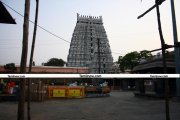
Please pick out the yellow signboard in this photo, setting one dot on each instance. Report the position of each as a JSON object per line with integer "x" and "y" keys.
{"x": 59, "y": 93}
{"x": 74, "y": 93}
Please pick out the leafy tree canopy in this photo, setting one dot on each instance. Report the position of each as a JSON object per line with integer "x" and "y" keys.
{"x": 132, "y": 59}
{"x": 54, "y": 62}
{"x": 10, "y": 66}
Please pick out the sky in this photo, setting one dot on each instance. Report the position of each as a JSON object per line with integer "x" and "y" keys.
{"x": 125, "y": 32}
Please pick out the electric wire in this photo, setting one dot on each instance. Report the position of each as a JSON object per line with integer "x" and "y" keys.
{"x": 37, "y": 25}
{"x": 42, "y": 27}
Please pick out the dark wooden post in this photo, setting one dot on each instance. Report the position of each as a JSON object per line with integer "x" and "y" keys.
{"x": 163, "y": 46}
{"x": 99, "y": 57}
{"x": 31, "y": 61}
{"x": 24, "y": 61}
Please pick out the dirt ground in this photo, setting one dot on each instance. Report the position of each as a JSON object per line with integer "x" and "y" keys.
{"x": 119, "y": 106}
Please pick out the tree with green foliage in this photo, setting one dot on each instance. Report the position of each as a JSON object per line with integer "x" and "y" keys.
{"x": 144, "y": 54}
{"x": 132, "y": 59}
{"x": 10, "y": 66}
{"x": 54, "y": 62}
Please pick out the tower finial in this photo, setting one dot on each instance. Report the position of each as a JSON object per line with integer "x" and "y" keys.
{"x": 77, "y": 15}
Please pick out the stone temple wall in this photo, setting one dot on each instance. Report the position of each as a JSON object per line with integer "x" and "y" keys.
{"x": 89, "y": 45}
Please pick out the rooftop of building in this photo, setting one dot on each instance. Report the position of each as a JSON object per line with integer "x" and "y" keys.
{"x": 49, "y": 69}
{"x": 155, "y": 62}
{"x": 86, "y": 18}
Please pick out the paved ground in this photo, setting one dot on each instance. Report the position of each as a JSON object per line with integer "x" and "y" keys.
{"x": 119, "y": 106}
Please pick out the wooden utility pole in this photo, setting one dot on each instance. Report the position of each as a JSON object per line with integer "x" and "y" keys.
{"x": 24, "y": 61}
{"x": 31, "y": 61}
{"x": 163, "y": 48}
{"x": 99, "y": 57}
{"x": 176, "y": 49}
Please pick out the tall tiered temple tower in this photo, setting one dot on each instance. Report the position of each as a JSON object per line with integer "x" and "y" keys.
{"x": 89, "y": 45}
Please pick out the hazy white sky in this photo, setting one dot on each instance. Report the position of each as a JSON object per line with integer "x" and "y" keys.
{"x": 125, "y": 32}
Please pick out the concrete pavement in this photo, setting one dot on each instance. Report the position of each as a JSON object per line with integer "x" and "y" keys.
{"x": 119, "y": 106}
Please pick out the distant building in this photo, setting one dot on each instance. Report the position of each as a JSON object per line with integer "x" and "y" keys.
{"x": 50, "y": 69}
{"x": 155, "y": 87}
{"x": 115, "y": 69}
{"x": 89, "y": 45}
